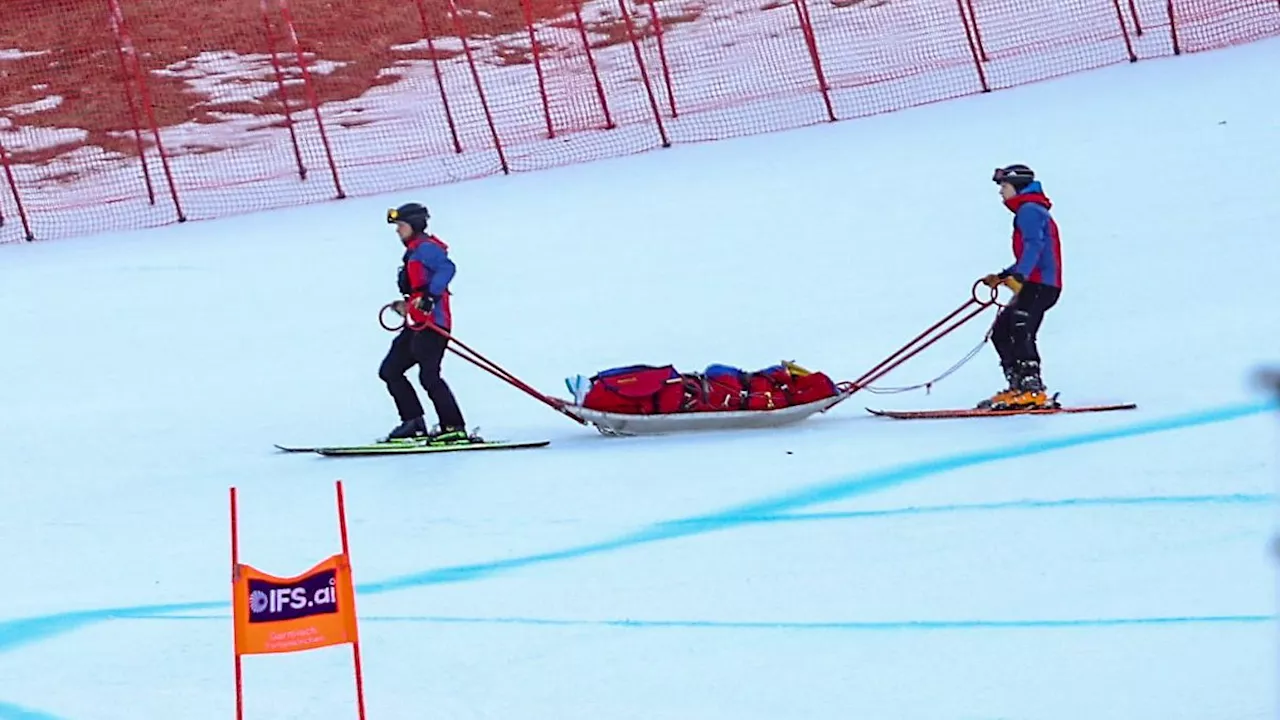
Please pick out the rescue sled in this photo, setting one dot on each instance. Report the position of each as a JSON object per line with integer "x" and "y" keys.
{"x": 655, "y": 400}
{"x": 621, "y": 424}
{"x": 652, "y": 400}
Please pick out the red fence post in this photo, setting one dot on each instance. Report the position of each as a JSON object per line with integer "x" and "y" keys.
{"x": 1124, "y": 32}
{"x": 644, "y": 73}
{"x": 17, "y": 197}
{"x": 811, "y": 42}
{"x": 312, "y": 96}
{"x": 1173, "y": 28}
{"x": 461, "y": 30}
{"x": 527, "y": 6}
{"x": 427, "y": 33}
{"x": 973, "y": 47}
{"x": 120, "y": 28}
{"x": 591, "y": 62}
{"x": 284, "y": 96}
{"x": 1137, "y": 22}
{"x": 662, "y": 56}
{"x": 977, "y": 32}
{"x": 137, "y": 125}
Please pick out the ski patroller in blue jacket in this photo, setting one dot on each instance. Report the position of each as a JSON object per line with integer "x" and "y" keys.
{"x": 1037, "y": 248}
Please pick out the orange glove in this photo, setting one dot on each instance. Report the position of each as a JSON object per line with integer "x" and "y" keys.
{"x": 1008, "y": 281}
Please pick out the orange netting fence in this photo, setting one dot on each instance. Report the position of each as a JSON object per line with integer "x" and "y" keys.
{"x": 120, "y": 114}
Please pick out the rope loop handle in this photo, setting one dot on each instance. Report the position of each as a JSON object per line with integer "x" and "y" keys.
{"x": 395, "y": 308}
{"x": 993, "y": 295}
{"x": 399, "y": 307}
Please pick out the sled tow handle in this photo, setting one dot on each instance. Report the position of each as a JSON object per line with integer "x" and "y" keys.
{"x": 975, "y": 306}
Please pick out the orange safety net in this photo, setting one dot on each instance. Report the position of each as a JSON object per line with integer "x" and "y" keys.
{"x": 124, "y": 114}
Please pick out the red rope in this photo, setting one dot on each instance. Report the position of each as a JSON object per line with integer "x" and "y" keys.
{"x": 465, "y": 352}
{"x": 934, "y": 333}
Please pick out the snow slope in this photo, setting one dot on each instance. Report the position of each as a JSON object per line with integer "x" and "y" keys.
{"x": 1111, "y": 566}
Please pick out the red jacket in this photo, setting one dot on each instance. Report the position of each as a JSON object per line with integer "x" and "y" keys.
{"x": 1037, "y": 249}
{"x": 427, "y": 270}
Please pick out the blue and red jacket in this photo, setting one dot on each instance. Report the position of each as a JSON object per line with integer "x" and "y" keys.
{"x": 427, "y": 270}
{"x": 1037, "y": 248}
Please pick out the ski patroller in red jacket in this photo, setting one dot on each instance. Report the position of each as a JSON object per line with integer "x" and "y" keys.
{"x": 428, "y": 270}
{"x": 1037, "y": 248}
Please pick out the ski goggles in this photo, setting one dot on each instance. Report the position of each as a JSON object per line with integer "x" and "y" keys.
{"x": 1005, "y": 175}
{"x": 393, "y": 216}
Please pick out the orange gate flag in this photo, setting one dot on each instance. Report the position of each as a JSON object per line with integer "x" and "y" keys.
{"x": 290, "y": 614}
{"x": 279, "y": 615}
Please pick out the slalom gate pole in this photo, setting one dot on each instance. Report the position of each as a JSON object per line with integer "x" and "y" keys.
{"x": 978, "y": 305}
{"x": 484, "y": 363}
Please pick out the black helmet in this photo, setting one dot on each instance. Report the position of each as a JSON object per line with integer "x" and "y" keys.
{"x": 412, "y": 214}
{"x": 1019, "y": 176}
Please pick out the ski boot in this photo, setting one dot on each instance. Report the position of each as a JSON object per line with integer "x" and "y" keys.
{"x": 415, "y": 430}
{"x": 1000, "y": 400}
{"x": 407, "y": 430}
{"x": 1030, "y": 393}
{"x": 1031, "y": 400}
{"x": 449, "y": 435}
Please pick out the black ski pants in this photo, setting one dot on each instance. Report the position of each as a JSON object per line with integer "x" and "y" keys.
{"x": 424, "y": 348}
{"x": 1015, "y": 328}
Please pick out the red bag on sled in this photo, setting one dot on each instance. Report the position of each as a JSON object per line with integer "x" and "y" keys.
{"x": 719, "y": 388}
{"x": 811, "y": 388}
{"x": 636, "y": 390}
{"x": 649, "y": 390}
{"x": 769, "y": 389}
{"x": 785, "y": 385}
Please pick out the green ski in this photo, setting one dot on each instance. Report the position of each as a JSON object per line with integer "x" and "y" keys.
{"x": 414, "y": 446}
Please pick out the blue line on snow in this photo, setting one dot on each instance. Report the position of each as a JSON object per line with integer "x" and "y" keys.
{"x": 15, "y": 633}
{"x": 1242, "y": 499}
{"x": 9, "y": 711}
{"x": 853, "y": 625}
{"x": 839, "y": 489}
{"x": 1228, "y": 499}
{"x": 1061, "y": 623}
